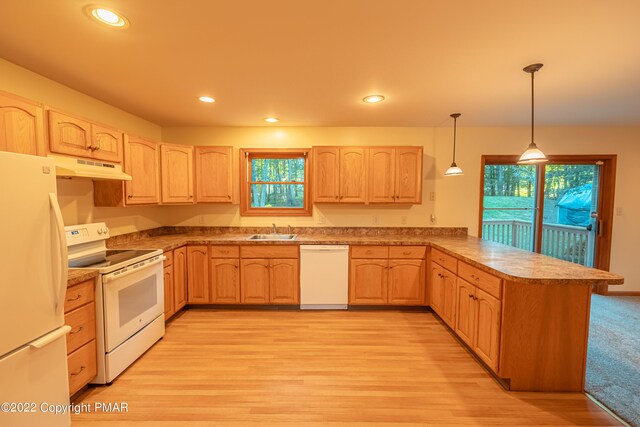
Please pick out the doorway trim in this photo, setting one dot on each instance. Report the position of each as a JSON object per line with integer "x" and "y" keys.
{"x": 606, "y": 200}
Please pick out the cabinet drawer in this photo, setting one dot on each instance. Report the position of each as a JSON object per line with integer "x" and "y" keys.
{"x": 416, "y": 252}
{"x": 78, "y": 295}
{"x": 82, "y": 366}
{"x": 83, "y": 326}
{"x": 483, "y": 280}
{"x": 369, "y": 252}
{"x": 269, "y": 251}
{"x": 169, "y": 258}
{"x": 447, "y": 261}
{"x": 224, "y": 251}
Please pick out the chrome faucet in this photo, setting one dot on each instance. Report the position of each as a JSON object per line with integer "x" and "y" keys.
{"x": 275, "y": 230}
{"x": 289, "y": 231}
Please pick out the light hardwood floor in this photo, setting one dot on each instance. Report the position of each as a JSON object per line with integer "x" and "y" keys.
{"x": 217, "y": 367}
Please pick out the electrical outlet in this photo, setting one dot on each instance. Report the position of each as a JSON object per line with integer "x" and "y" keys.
{"x": 375, "y": 220}
{"x": 619, "y": 211}
{"x": 433, "y": 219}
{"x": 403, "y": 220}
{"x": 321, "y": 219}
{"x": 432, "y": 196}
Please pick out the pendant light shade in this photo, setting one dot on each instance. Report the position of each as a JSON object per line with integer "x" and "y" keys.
{"x": 454, "y": 169}
{"x": 532, "y": 154}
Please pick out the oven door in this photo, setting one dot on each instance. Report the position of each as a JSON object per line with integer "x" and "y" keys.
{"x": 133, "y": 297}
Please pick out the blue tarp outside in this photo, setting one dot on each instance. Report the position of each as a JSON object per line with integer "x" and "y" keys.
{"x": 574, "y": 207}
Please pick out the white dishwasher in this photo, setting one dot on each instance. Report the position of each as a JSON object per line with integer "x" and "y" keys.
{"x": 324, "y": 277}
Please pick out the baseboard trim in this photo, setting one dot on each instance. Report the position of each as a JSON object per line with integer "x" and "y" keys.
{"x": 623, "y": 293}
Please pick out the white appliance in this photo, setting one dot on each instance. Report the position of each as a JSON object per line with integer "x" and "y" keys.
{"x": 70, "y": 167}
{"x": 324, "y": 276}
{"x": 33, "y": 283}
{"x": 129, "y": 297}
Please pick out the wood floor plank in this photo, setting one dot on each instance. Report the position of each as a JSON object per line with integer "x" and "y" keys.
{"x": 338, "y": 368}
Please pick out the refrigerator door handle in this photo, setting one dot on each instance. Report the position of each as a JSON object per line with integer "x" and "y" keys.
{"x": 48, "y": 339}
{"x": 62, "y": 253}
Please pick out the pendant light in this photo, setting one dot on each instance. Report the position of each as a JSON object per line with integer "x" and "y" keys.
{"x": 533, "y": 154}
{"x": 454, "y": 169}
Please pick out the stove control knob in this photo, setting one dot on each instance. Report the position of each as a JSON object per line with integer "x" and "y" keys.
{"x": 99, "y": 230}
{"x": 105, "y": 230}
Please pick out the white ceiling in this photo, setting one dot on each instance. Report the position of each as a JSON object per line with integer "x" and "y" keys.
{"x": 310, "y": 62}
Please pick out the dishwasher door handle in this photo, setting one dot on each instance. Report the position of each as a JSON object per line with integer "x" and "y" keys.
{"x": 324, "y": 248}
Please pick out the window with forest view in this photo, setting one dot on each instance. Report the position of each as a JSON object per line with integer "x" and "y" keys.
{"x": 275, "y": 182}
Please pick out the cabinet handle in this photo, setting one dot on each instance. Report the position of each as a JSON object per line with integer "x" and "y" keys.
{"x": 73, "y": 374}
{"x": 406, "y": 253}
{"x": 228, "y": 196}
{"x": 77, "y": 297}
{"x": 470, "y": 296}
{"x": 224, "y": 252}
{"x": 369, "y": 252}
{"x": 341, "y": 197}
{"x": 441, "y": 259}
{"x": 75, "y": 331}
{"x": 190, "y": 196}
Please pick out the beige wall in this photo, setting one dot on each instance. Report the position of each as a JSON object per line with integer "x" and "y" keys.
{"x": 76, "y": 196}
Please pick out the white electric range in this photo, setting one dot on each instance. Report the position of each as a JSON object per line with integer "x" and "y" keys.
{"x": 129, "y": 297}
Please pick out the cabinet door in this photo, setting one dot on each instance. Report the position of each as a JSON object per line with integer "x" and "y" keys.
{"x": 284, "y": 284}
{"x": 176, "y": 173}
{"x": 406, "y": 283}
{"x": 353, "y": 175}
{"x": 68, "y": 135}
{"x": 466, "y": 311}
{"x": 179, "y": 278}
{"x": 107, "y": 143}
{"x": 449, "y": 298}
{"x": 21, "y": 126}
{"x": 382, "y": 175}
{"x": 141, "y": 161}
{"x": 225, "y": 280}
{"x": 198, "y": 275}
{"x": 489, "y": 317}
{"x": 254, "y": 280}
{"x": 408, "y": 175}
{"x": 168, "y": 292}
{"x": 214, "y": 183}
{"x": 437, "y": 291}
{"x": 326, "y": 174}
{"x": 368, "y": 281}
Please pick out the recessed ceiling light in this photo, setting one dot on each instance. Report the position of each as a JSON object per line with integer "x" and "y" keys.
{"x": 207, "y": 99}
{"x": 372, "y": 99}
{"x": 272, "y": 120}
{"x": 107, "y": 17}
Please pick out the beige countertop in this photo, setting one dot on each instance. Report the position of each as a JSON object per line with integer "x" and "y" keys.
{"x": 509, "y": 263}
{"x": 79, "y": 275}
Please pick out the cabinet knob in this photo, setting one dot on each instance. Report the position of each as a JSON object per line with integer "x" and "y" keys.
{"x": 96, "y": 148}
{"x": 129, "y": 196}
{"x": 77, "y": 297}
{"x": 75, "y": 331}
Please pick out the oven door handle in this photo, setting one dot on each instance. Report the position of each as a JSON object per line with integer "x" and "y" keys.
{"x": 113, "y": 276}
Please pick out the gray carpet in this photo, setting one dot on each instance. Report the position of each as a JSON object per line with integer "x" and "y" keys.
{"x": 613, "y": 362}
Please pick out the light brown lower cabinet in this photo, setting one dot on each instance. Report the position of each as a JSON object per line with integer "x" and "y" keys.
{"x": 225, "y": 280}
{"x": 80, "y": 314}
{"x": 443, "y": 292}
{"x": 251, "y": 274}
{"x": 198, "y": 275}
{"x": 175, "y": 274}
{"x": 387, "y": 275}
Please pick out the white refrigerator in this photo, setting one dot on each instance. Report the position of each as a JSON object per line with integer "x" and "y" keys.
{"x": 33, "y": 282}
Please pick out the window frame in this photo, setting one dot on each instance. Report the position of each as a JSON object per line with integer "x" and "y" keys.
{"x": 246, "y": 154}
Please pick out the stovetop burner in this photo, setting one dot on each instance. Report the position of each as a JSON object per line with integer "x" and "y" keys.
{"x": 108, "y": 258}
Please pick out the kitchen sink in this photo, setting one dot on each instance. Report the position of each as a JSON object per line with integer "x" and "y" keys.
{"x": 272, "y": 237}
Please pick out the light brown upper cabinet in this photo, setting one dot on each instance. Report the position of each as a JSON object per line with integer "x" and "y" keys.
{"x": 80, "y": 138}
{"x": 177, "y": 173}
{"x": 141, "y": 161}
{"x": 21, "y": 125}
{"x": 340, "y": 174}
{"x": 214, "y": 183}
{"x": 395, "y": 175}
{"x": 367, "y": 174}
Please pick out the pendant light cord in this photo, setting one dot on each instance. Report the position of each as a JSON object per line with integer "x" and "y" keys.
{"x": 455, "y": 119}
{"x": 532, "y": 109}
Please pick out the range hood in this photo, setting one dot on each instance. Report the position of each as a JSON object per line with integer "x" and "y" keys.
{"x": 69, "y": 167}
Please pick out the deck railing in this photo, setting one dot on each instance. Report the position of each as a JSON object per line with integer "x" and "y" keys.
{"x": 565, "y": 242}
